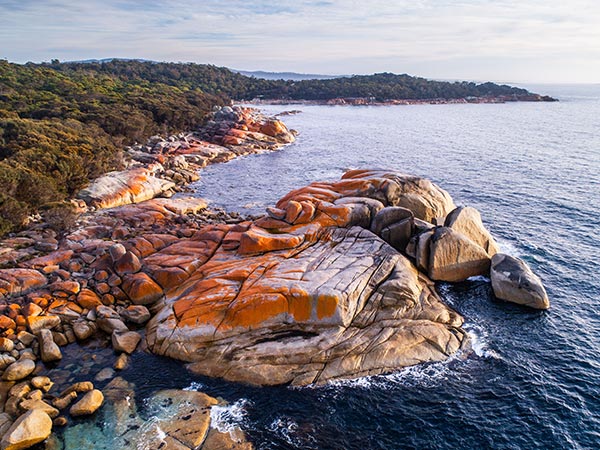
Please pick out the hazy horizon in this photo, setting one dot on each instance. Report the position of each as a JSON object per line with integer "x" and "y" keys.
{"x": 504, "y": 41}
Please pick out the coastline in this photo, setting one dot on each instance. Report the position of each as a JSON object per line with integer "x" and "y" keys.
{"x": 113, "y": 272}
{"x": 365, "y": 101}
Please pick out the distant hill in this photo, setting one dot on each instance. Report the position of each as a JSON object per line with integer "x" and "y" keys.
{"x": 223, "y": 81}
{"x": 293, "y": 76}
{"x": 62, "y": 124}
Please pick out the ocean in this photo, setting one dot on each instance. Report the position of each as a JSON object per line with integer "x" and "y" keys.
{"x": 533, "y": 378}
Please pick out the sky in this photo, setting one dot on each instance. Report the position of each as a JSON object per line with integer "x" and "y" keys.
{"x": 546, "y": 41}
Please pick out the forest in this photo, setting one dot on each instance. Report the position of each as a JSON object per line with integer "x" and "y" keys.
{"x": 63, "y": 124}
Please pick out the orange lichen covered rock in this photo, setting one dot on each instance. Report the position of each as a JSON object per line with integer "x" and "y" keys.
{"x": 141, "y": 289}
{"x": 121, "y": 188}
{"x": 309, "y": 293}
{"x": 19, "y": 281}
{"x": 257, "y": 240}
{"x": 88, "y": 299}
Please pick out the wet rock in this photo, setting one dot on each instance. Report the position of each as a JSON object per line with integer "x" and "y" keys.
{"x": 82, "y": 386}
{"x": 189, "y": 420}
{"x": 90, "y": 402}
{"x": 49, "y": 351}
{"x": 29, "y": 429}
{"x": 125, "y": 341}
{"x": 229, "y": 440}
{"x": 121, "y": 362}
{"x": 513, "y": 281}
{"x": 105, "y": 374}
{"x": 18, "y": 370}
{"x": 60, "y": 421}
{"x": 64, "y": 401}
{"x": 454, "y": 257}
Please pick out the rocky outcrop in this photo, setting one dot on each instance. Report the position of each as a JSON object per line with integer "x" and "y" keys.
{"x": 128, "y": 186}
{"x": 467, "y": 221}
{"x": 513, "y": 281}
{"x": 333, "y": 282}
{"x": 454, "y": 257}
{"x": 310, "y": 294}
{"x": 162, "y": 165}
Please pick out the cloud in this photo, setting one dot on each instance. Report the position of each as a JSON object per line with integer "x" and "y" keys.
{"x": 529, "y": 40}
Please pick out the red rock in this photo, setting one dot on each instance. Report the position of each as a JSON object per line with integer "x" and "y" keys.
{"x": 6, "y": 323}
{"x": 68, "y": 287}
{"x": 101, "y": 275}
{"x": 257, "y": 240}
{"x": 51, "y": 259}
{"x": 128, "y": 263}
{"x": 141, "y": 289}
{"x": 102, "y": 288}
{"x": 15, "y": 282}
{"x": 31, "y": 310}
{"x": 88, "y": 299}
{"x": 231, "y": 140}
{"x": 38, "y": 323}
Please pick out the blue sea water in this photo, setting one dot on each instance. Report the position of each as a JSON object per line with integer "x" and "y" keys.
{"x": 533, "y": 170}
{"x": 533, "y": 379}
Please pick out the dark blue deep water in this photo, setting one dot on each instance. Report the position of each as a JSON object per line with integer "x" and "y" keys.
{"x": 533, "y": 379}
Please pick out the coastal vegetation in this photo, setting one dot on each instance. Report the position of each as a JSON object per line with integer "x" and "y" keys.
{"x": 63, "y": 124}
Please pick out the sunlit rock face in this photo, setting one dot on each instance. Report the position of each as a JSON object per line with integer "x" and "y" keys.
{"x": 312, "y": 292}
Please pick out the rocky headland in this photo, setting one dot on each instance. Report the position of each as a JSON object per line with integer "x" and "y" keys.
{"x": 371, "y": 101}
{"x": 337, "y": 280}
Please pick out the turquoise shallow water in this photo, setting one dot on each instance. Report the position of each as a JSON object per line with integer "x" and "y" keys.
{"x": 533, "y": 380}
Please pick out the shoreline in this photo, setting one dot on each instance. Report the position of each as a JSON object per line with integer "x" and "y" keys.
{"x": 252, "y": 301}
{"x": 365, "y": 101}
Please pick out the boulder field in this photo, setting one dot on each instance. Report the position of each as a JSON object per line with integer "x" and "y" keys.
{"x": 337, "y": 280}
{"x": 161, "y": 166}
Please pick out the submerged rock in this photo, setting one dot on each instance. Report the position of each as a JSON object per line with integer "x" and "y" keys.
{"x": 513, "y": 281}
